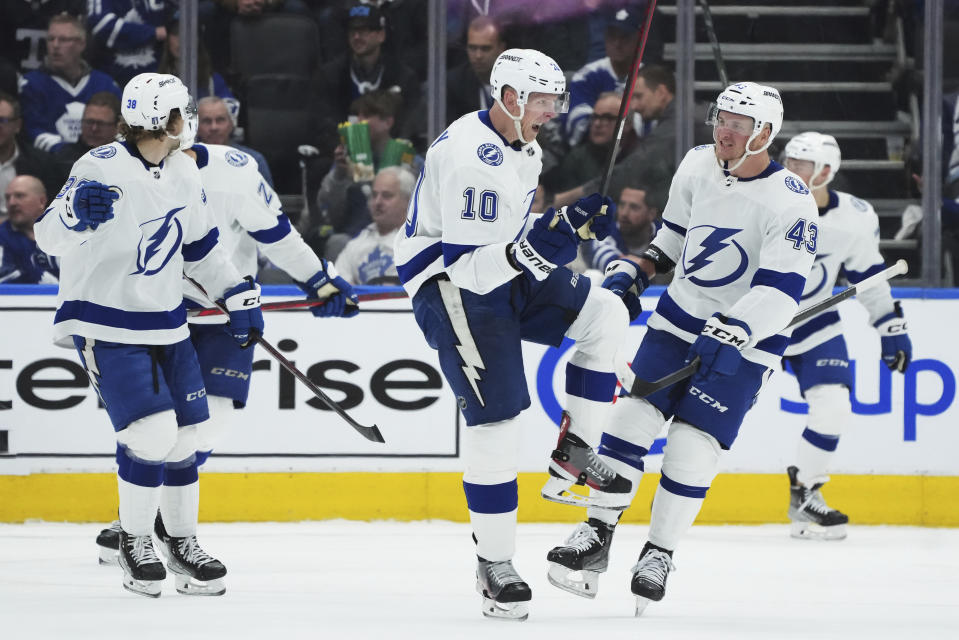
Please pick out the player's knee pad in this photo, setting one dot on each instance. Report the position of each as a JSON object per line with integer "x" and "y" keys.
{"x": 691, "y": 456}
{"x": 599, "y": 329}
{"x": 150, "y": 438}
{"x": 185, "y": 446}
{"x": 209, "y": 433}
{"x": 490, "y": 452}
{"x": 829, "y": 408}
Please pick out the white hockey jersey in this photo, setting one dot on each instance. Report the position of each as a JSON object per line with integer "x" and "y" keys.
{"x": 368, "y": 258}
{"x": 123, "y": 281}
{"x": 848, "y": 248}
{"x": 248, "y": 213}
{"x": 472, "y": 199}
{"x": 742, "y": 247}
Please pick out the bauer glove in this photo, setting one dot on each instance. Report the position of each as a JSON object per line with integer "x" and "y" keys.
{"x": 628, "y": 281}
{"x": 550, "y": 243}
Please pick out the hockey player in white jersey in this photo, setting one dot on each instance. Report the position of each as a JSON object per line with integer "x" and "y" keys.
{"x": 848, "y": 248}
{"x": 128, "y": 223}
{"x": 247, "y": 212}
{"x": 741, "y": 233}
{"x": 484, "y": 273}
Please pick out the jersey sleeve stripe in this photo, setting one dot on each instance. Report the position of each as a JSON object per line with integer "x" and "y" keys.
{"x": 94, "y": 313}
{"x": 672, "y": 226}
{"x": 789, "y": 283}
{"x": 194, "y": 251}
{"x": 413, "y": 267}
{"x": 817, "y": 323}
{"x": 273, "y": 234}
{"x": 453, "y": 252}
{"x": 858, "y": 276}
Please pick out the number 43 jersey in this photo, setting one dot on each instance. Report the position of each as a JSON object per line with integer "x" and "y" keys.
{"x": 742, "y": 248}
{"x": 471, "y": 200}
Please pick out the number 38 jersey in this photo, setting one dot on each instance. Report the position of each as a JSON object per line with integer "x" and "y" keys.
{"x": 742, "y": 248}
{"x": 472, "y": 199}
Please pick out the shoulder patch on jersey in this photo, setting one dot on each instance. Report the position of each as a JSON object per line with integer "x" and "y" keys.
{"x": 490, "y": 154}
{"x": 203, "y": 195}
{"x": 237, "y": 158}
{"x": 859, "y": 204}
{"x": 794, "y": 184}
{"x": 104, "y": 152}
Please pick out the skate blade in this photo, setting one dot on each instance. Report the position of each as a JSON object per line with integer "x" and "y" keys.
{"x": 557, "y": 490}
{"x": 563, "y": 578}
{"x": 511, "y": 611}
{"x": 192, "y": 587}
{"x": 148, "y": 588}
{"x": 641, "y": 604}
{"x": 108, "y": 557}
{"x": 813, "y": 531}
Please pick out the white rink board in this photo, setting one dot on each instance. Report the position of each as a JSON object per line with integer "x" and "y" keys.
{"x": 911, "y": 429}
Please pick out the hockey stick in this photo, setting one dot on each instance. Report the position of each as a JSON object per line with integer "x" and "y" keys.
{"x": 284, "y": 305}
{"x": 370, "y": 433}
{"x": 641, "y": 388}
{"x": 714, "y": 42}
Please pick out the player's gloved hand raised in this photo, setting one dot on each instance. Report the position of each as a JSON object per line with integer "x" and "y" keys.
{"x": 587, "y": 216}
{"x": 628, "y": 281}
{"x": 93, "y": 204}
{"x": 896, "y": 345}
{"x": 246, "y": 318}
{"x": 719, "y": 347}
{"x": 341, "y": 301}
{"x": 547, "y": 245}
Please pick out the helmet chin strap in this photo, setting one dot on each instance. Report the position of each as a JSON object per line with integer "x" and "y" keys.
{"x": 516, "y": 119}
{"x": 746, "y": 154}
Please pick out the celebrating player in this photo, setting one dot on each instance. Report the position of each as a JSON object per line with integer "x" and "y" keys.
{"x": 129, "y": 221}
{"x": 741, "y": 233}
{"x": 484, "y": 273}
{"x": 247, "y": 213}
{"x": 849, "y": 246}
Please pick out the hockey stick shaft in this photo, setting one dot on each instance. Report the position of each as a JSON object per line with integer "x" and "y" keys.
{"x": 641, "y": 388}
{"x": 714, "y": 43}
{"x": 371, "y": 433}
{"x": 286, "y": 305}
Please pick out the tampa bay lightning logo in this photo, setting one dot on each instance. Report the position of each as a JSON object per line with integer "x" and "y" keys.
{"x": 104, "y": 152}
{"x": 237, "y": 158}
{"x": 818, "y": 271}
{"x": 490, "y": 154}
{"x": 160, "y": 241}
{"x": 717, "y": 248}
{"x": 794, "y": 184}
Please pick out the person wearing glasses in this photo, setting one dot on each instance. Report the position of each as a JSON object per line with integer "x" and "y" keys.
{"x": 17, "y": 157}
{"x": 53, "y": 97}
{"x": 97, "y": 127}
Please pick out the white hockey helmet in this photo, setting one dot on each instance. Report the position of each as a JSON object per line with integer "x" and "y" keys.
{"x": 528, "y": 71}
{"x": 819, "y": 148}
{"x": 760, "y": 102}
{"x": 148, "y": 99}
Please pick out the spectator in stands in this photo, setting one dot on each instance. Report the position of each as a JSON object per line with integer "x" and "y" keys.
{"x": 97, "y": 128}
{"x": 346, "y": 211}
{"x": 208, "y": 81}
{"x": 215, "y": 126}
{"x": 129, "y": 33}
{"x": 18, "y": 157}
{"x": 368, "y": 258}
{"x": 23, "y": 30}
{"x": 21, "y": 261}
{"x": 467, "y": 85}
{"x": 637, "y": 220}
{"x": 606, "y": 74}
{"x": 365, "y": 68}
{"x": 53, "y": 97}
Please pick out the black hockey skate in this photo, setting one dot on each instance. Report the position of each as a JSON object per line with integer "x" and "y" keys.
{"x": 574, "y": 462}
{"x": 505, "y": 595}
{"x": 108, "y": 544}
{"x": 575, "y": 566}
{"x": 143, "y": 573}
{"x": 810, "y": 516}
{"x": 196, "y": 572}
{"x": 649, "y": 576}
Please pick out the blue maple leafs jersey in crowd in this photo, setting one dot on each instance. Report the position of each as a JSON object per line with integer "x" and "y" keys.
{"x": 123, "y": 281}
{"x": 53, "y": 108}
{"x": 472, "y": 199}
{"x": 848, "y": 247}
{"x": 742, "y": 247}
{"x": 22, "y": 262}
{"x": 247, "y": 212}
{"x": 127, "y": 28}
